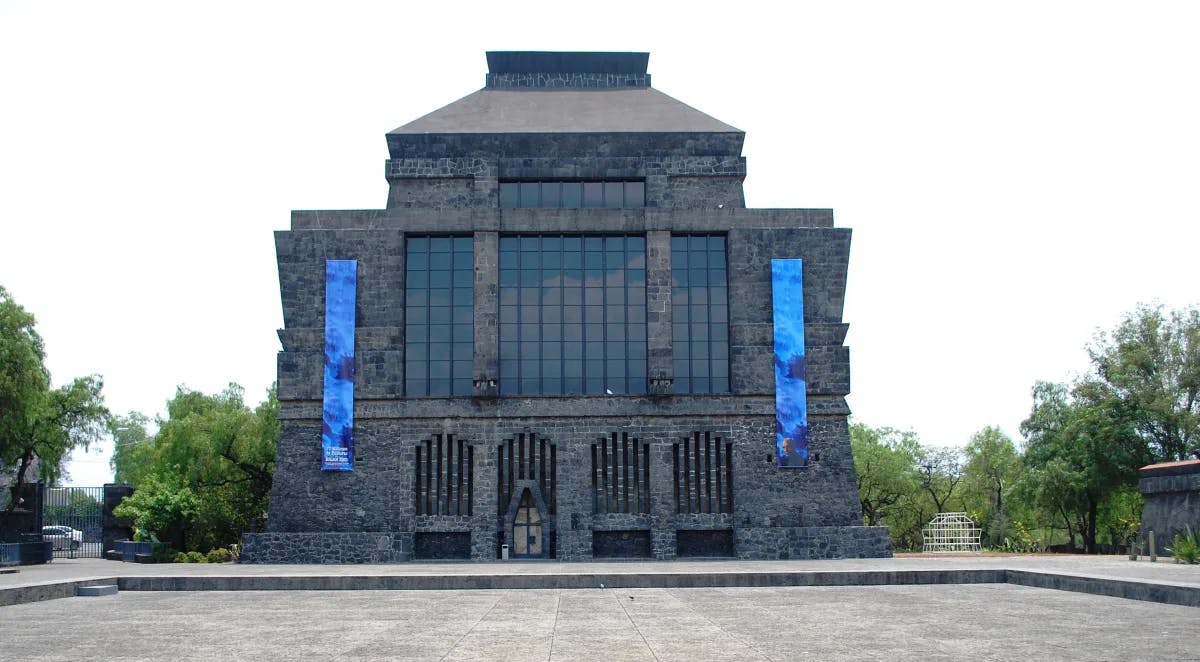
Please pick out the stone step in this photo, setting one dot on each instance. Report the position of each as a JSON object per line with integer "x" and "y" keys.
{"x": 93, "y": 591}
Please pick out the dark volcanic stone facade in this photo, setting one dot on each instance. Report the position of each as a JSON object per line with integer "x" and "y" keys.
{"x": 445, "y": 173}
{"x": 1172, "y": 493}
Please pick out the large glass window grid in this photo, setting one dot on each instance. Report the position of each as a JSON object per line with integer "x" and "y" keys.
{"x": 572, "y": 315}
{"x": 573, "y": 194}
{"x": 700, "y": 313}
{"x": 439, "y": 316}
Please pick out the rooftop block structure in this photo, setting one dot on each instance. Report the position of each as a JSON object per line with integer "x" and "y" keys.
{"x": 564, "y": 337}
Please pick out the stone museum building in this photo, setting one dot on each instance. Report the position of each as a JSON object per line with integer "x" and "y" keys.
{"x": 564, "y": 337}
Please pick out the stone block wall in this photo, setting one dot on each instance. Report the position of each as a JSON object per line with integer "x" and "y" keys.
{"x": 326, "y": 547}
{"x": 777, "y": 513}
{"x": 380, "y": 342}
{"x": 379, "y": 495}
{"x": 448, "y": 184}
{"x": 1172, "y": 493}
{"x": 565, "y": 145}
{"x": 672, "y": 181}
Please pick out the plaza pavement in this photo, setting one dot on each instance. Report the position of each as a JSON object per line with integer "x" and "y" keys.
{"x": 936, "y": 608}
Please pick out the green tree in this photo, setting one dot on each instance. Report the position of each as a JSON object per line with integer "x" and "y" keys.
{"x": 992, "y": 468}
{"x": 161, "y": 509}
{"x": 23, "y": 382}
{"x": 1082, "y": 448}
{"x": 1151, "y": 364}
{"x": 884, "y": 464}
{"x": 940, "y": 473}
{"x": 132, "y": 458}
{"x": 890, "y": 482}
{"x": 219, "y": 450}
{"x": 39, "y": 425}
{"x": 1120, "y": 515}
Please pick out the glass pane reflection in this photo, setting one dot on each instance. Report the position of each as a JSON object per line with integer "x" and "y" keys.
{"x": 700, "y": 313}
{"x": 578, "y": 333}
{"x": 439, "y": 313}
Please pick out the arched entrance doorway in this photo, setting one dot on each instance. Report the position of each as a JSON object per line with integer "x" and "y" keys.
{"x": 527, "y": 528}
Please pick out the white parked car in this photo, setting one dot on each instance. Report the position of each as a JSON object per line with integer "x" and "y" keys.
{"x": 63, "y": 537}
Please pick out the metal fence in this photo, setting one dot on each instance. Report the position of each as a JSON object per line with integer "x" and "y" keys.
{"x": 73, "y": 519}
{"x": 951, "y": 532}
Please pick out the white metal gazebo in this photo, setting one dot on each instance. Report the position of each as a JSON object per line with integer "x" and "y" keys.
{"x": 951, "y": 532}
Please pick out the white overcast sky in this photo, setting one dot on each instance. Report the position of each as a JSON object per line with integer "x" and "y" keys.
{"x": 1017, "y": 174}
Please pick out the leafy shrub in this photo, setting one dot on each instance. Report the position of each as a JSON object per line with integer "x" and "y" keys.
{"x": 196, "y": 557}
{"x": 219, "y": 555}
{"x": 162, "y": 552}
{"x": 160, "y": 509}
{"x": 1020, "y": 541}
{"x": 181, "y": 557}
{"x": 1186, "y": 546}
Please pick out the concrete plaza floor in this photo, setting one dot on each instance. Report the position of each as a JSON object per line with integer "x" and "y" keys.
{"x": 155, "y": 615}
{"x": 980, "y": 622}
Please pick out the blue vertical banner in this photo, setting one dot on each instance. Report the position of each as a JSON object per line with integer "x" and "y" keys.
{"x": 791, "y": 388}
{"x": 337, "y": 429}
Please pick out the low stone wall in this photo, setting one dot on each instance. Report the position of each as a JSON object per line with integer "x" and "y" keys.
{"x": 1172, "y": 492}
{"x": 813, "y": 542}
{"x": 26, "y": 553}
{"x": 766, "y": 543}
{"x": 129, "y": 549}
{"x": 326, "y": 547}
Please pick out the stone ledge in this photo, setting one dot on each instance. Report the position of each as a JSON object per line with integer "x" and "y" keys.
{"x": 601, "y": 80}
{"x": 709, "y": 407}
{"x": 52, "y": 591}
{"x": 96, "y": 591}
{"x": 1131, "y": 590}
{"x": 1171, "y": 594}
{"x": 1149, "y": 591}
{"x": 633, "y": 220}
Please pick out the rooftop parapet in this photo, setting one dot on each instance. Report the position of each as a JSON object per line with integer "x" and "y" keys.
{"x": 557, "y": 70}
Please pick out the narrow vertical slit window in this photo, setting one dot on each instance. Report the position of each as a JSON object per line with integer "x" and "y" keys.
{"x": 620, "y": 474}
{"x": 444, "y": 486}
{"x": 702, "y": 466}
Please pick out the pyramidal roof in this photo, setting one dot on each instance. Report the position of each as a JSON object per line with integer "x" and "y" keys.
{"x": 541, "y": 92}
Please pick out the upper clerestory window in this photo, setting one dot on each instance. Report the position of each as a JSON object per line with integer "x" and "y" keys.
{"x": 573, "y": 194}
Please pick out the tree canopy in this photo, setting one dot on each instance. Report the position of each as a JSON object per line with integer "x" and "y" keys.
{"x": 993, "y": 467}
{"x": 1075, "y": 476}
{"x": 1150, "y": 365}
{"x": 885, "y": 464}
{"x": 204, "y": 477}
{"x": 902, "y": 483}
{"x": 39, "y": 425}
